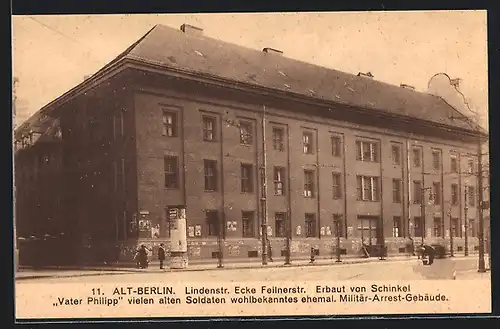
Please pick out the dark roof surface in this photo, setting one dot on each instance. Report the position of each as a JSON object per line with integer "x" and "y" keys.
{"x": 203, "y": 55}
{"x": 206, "y": 56}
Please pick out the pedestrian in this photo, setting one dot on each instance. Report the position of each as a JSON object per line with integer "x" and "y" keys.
{"x": 142, "y": 257}
{"x": 431, "y": 252}
{"x": 269, "y": 250}
{"x": 161, "y": 255}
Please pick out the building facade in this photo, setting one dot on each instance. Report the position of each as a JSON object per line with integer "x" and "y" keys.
{"x": 139, "y": 137}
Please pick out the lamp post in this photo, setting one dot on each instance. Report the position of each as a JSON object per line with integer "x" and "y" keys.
{"x": 337, "y": 233}
{"x": 288, "y": 237}
{"x": 451, "y": 233}
{"x": 220, "y": 253}
{"x": 264, "y": 188}
{"x": 422, "y": 210}
{"x": 466, "y": 224}
{"x": 481, "y": 263}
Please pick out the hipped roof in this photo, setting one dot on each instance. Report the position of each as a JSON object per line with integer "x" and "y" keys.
{"x": 208, "y": 57}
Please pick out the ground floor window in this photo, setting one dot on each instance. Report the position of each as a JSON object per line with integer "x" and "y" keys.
{"x": 455, "y": 228}
{"x": 438, "y": 227}
{"x": 248, "y": 224}
{"x": 338, "y": 225}
{"x": 310, "y": 225}
{"x": 419, "y": 226}
{"x": 280, "y": 224}
{"x": 397, "y": 227}
{"x": 212, "y": 223}
{"x": 367, "y": 228}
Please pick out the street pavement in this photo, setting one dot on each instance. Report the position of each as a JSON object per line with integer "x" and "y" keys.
{"x": 403, "y": 269}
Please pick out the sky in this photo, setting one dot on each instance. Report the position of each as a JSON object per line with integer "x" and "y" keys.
{"x": 52, "y": 54}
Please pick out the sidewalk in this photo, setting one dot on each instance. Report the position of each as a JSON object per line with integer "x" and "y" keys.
{"x": 210, "y": 265}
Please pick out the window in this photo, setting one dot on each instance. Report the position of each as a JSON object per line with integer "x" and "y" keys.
{"x": 336, "y": 146}
{"x": 336, "y": 185}
{"x": 367, "y": 227}
{"x": 455, "y": 228}
{"x": 397, "y": 227}
{"x": 246, "y": 178}
{"x": 309, "y": 183}
{"x": 472, "y": 228}
{"x": 454, "y": 164}
{"x": 419, "y": 227}
{"x": 396, "y": 155}
{"x": 417, "y": 158}
{"x": 438, "y": 227}
{"x": 436, "y": 159}
{"x": 310, "y": 225}
{"x": 368, "y": 188}
{"x": 454, "y": 194}
{"x": 307, "y": 141}
{"x": 436, "y": 192}
{"x": 471, "y": 194}
{"x": 171, "y": 170}
{"x": 278, "y": 139}
{"x": 248, "y": 224}
{"x": 213, "y": 223}
{"x": 279, "y": 179}
{"x": 210, "y": 171}
{"x": 470, "y": 166}
{"x": 280, "y": 224}
{"x": 417, "y": 191}
{"x": 169, "y": 124}
{"x": 246, "y": 133}
{"x": 396, "y": 190}
{"x": 338, "y": 225}
{"x": 208, "y": 128}
{"x": 367, "y": 151}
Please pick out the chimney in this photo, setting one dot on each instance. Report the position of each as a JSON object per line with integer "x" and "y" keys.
{"x": 190, "y": 29}
{"x": 366, "y": 75}
{"x": 272, "y": 50}
{"x": 455, "y": 83}
{"x": 407, "y": 86}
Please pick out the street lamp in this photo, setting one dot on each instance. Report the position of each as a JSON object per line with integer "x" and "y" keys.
{"x": 337, "y": 233}
{"x": 466, "y": 224}
{"x": 451, "y": 232}
{"x": 288, "y": 237}
{"x": 422, "y": 210}
{"x": 220, "y": 255}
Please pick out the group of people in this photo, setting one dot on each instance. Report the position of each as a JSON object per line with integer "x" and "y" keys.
{"x": 142, "y": 256}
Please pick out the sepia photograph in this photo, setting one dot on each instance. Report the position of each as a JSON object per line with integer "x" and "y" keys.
{"x": 251, "y": 164}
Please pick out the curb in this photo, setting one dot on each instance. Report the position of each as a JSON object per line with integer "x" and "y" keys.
{"x": 122, "y": 271}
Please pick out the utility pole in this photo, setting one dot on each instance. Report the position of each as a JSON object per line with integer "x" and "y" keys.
{"x": 481, "y": 264}
{"x": 263, "y": 199}
{"x": 466, "y": 224}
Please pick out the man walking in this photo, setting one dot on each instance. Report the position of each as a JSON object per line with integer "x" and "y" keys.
{"x": 161, "y": 255}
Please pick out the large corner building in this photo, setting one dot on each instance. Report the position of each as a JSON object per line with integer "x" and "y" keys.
{"x": 183, "y": 119}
